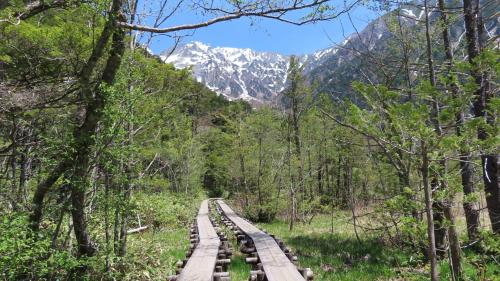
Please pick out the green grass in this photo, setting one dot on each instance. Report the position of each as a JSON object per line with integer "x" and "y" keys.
{"x": 153, "y": 255}
{"x": 338, "y": 255}
{"x": 238, "y": 269}
{"x": 331, "y": 255}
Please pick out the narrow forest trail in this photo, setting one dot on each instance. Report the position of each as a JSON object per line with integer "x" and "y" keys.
{"x": 270, "y": 258}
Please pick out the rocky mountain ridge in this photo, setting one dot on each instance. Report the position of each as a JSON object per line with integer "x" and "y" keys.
{"x": 260, "y": 77}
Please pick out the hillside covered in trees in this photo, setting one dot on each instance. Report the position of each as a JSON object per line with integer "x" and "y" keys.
{"x": 383, "y": 168}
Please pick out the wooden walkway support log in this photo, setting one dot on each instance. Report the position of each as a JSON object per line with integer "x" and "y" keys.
{"x": 271, "y": 260}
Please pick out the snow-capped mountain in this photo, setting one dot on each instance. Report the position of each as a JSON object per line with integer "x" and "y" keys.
{"x": 234, "y": 73}
{"x": 239, "y": 73}
{"x": 260, "y": 77}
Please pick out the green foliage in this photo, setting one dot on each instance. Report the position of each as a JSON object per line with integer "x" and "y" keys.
{"x": 24, "y": 254}
{"x": 54, "y": 46}
{"x": 165, "y": 140}
{"x": 165, "y": 210}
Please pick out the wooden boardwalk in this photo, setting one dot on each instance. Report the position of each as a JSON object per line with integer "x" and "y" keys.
{"x": 276, "y": 265}
{"x": 201, "y": 264}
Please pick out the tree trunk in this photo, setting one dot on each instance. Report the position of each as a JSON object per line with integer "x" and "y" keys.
{"x": 298, "y": 150}
{"x": 93, "y": 111}
{"x": 84, "y": 136}
{"x": 470, "y": 208}
{"x": 41, "y": 189}
{"x": 490, "y": 161}
{"x": 438, "y": 218}
{"x": 320, "y": 172}
{"x": 242, "y": 165}
{"x": 259, "y": 175}
{"x": 116, "y": 225}
{"x": 13, "y": 163}
{"x": 491, "y": 174}
{"x": 23, "y": 174}
{"x": 107, "y": 186}
{"x": 293, "y": 201}
{"x": 309, "y": 173}
{"x": 438, "y": 205}
{"x": 454, "y": 244}
{"x": 339, "y": 178}
{"x": 434, "y": 274}
{"x": 122, "y": 250}
{"x": 467, "y": 174}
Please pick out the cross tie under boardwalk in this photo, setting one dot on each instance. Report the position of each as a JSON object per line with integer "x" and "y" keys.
{"x": 276, "y": 265}
{"x": 201, "y": 264}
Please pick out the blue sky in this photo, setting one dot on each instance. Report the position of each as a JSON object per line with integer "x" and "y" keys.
{"x": 268, "y": 35}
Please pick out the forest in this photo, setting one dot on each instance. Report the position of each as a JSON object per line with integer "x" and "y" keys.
{"x": 106, "y": 152}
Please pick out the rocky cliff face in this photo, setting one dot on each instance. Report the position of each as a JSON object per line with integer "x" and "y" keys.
{"x": 234, "y": 73}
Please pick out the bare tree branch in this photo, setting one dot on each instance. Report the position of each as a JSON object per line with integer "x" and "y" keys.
{"x": 276, "y": 13}
{"x": 33, "y": 9}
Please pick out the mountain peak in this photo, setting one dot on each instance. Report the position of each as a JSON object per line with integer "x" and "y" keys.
{"x": 257, "y": 77}
{"x": 198, "y": 45}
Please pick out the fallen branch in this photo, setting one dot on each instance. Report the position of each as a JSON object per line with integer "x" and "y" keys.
{"x": 136, "y": 230}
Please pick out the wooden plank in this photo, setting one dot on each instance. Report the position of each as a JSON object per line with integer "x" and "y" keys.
{"x": 201, "y": 264}
{"x": 277, "y": 266}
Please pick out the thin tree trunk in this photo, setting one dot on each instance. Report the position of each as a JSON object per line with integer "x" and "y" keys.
{"x": 116, "y": 225}
{"x": 62, "y": 212}
{"x": 440, "y": 230}
{"x": 107, "y": 185}
{"x": 259, "y": 174}
{"x": 13, "y": 163}
{"x": 309, "y": 173}
{"x": 242, "y": 165}
{"x": 454, "y": 245}
{"x": 466, "y": 171}
{"x": 352, "y": 203}
{"x": 438, "y": 206}
{"x": 297, "y": 143}
{"x": 123, "y": 230}
{"x": 319, "y": 176}
{"x": 293, "y": 203}
{"x": 23, "y": 174}
{"x": 434, "y": 274}
{"x": 339, "y": 178}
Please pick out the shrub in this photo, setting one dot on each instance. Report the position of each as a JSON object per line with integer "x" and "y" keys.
{"x": 24, "y": 255}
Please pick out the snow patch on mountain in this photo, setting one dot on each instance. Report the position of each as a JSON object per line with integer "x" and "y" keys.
{"x": 240, "y": 73}
{"x": 232, "y": 72}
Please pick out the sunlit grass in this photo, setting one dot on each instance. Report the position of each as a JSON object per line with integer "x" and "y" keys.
{"x": 153, "y": 254}
{"x": 332, "y": 255}
{"x": 335, "y": 255}
{"x": 338, "y": 255}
